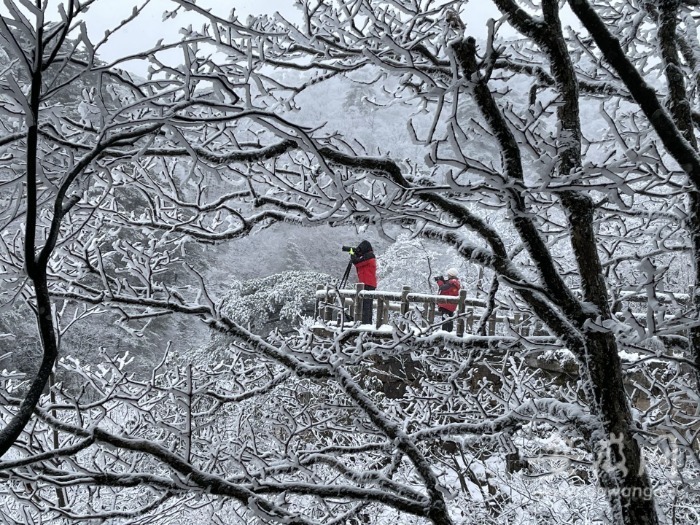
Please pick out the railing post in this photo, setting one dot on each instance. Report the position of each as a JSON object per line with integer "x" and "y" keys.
{"x": 327, "y": 311}
{"x": 460, "y": 312}
{"x": 404, "y": 299}
{"x": 318, "y": 309}
{"x": 527, "y": 322}
{"x": 380, "y": 312}
{"x": 358, "y": 302}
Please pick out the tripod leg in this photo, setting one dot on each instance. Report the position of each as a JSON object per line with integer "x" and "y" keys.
{"x": 344, "y": 280}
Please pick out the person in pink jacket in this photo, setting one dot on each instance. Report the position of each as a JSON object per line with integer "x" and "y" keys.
{"x": 449, "y": 286}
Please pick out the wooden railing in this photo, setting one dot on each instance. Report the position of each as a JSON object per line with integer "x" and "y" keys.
{"x": 344, "y": 307}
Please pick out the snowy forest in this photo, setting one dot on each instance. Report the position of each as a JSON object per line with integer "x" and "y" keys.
{"x": 174, "y": 341}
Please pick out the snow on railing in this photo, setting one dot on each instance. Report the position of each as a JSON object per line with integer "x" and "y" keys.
{"x": 345, "y": 305}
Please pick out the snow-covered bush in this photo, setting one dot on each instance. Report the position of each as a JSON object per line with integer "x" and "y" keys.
{"x": 276, "y": 301}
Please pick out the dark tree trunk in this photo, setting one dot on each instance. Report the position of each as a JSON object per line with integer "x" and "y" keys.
{"x": 35, "y": 267}
{"x": 679, "y": 106}
{"x": 623, "y": 476}
{"x": 675, "y": 130}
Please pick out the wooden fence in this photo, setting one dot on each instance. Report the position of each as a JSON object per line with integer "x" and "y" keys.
{"x": 343, "y": 306}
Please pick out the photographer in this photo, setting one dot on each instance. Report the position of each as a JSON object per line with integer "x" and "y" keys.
{"x": 449, "y": 286}
{"x": 366, "y": 266}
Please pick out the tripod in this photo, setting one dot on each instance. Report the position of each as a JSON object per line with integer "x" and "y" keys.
{"x": 341, "y": 284}
{"x": 344, "y": 279}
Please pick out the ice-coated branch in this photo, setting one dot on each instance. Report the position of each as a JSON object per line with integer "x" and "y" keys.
{"x": 643, "y": 93}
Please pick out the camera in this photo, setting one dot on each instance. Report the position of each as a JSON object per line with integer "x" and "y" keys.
{"x": 347, "y": 248}
{"x": 438, "y": 278}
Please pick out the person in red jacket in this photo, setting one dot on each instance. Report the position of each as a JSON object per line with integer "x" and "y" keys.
{"x": 449, "y": 286}
{"x": 366, "y": 266}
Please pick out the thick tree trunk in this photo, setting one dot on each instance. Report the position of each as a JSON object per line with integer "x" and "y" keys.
{"x": 679, "y": 106}
{"x": 35, "y": 268}
{"x": 623, "y": 474}
{"x": 694, "y": 331}
{"x": 671, "y": 128}
{"x": 621, "y": 469}
{"x": 619, "y": 459}
{"x": 14, "y": 428}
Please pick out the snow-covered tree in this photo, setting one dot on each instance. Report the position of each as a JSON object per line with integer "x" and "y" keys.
{"x": 275, "y": 302}
{"x": 529, "y": 159}
{"x": 559, "y": 181}
{"x": 58, "y": 154}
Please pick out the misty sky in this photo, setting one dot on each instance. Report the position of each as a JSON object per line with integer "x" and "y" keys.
{"x": 149, "y": 27}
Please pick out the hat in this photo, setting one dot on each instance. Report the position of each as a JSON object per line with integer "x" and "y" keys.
{"x": 363, "y": 248}
{"x": 452, "y": 272}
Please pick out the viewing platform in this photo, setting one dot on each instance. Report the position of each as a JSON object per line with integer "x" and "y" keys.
{"x": 341, "y": 307}
{"x": 472, "y": 317}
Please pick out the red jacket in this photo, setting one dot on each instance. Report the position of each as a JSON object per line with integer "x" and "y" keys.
{"x": 449, "y": 287}
{"x": 367, "y": 272}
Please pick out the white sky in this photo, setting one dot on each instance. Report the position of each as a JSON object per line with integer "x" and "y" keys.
{"x": 148, "y": 28}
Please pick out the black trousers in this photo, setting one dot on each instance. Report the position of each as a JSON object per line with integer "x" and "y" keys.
{"x": 449, "y": 324}
{"x": 367, "y": 307}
